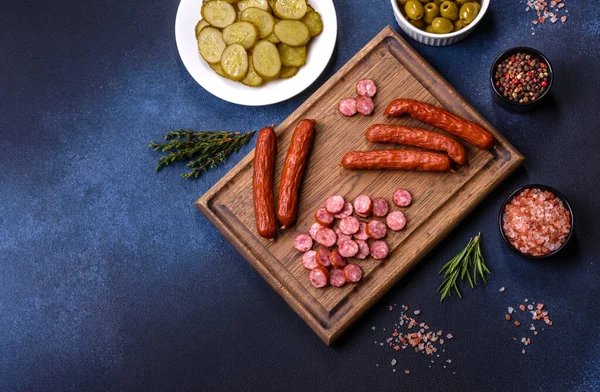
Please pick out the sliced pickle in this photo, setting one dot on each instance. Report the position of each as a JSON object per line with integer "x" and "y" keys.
{"x": 252, "y": 79}
{"x": 218, "y": 13}
{"x": 288, "y": 72}
{"x": 266, "y": 61}
{"x": 261, "y": 19}
{"x": 290, "y": 9}
{"x": 211, "y": 45}
{"x": 234, "y": 62}
{"x": 313, "y": 21}
{"x": 292, "y": 56}
{"x": 243, "y": 33}
{"x": 292, "y": 32}
{"x": 262, "y": 4}
{"x": 200, "y": 25}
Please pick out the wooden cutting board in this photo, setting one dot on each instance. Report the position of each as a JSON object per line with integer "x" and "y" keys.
{"x": 440, "y": 201}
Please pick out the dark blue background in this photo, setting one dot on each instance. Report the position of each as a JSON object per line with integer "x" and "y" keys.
{"x": 111, "y": 280}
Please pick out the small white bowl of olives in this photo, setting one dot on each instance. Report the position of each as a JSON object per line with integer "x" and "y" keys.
{"x": 439, "y": 22}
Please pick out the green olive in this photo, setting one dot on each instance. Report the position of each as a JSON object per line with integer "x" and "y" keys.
{"x": 458, "y": 25}
{"x": 402, "y": 1}
{"x": 414, "y": 9}
{"x": 432, "y": 11}
{"x": 438, "y": 2}
{"x": 429, "y": 29}
{"x": 442, "y": 25}
{"x": 419, "y": 24}
{"x": 449, "y": 10}
{"x": 468, "y": 12}
{"x": 461, "y": 2}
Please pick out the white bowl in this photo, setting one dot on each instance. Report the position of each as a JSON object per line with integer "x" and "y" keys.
{"x": 320, "y": 50}
{"x": 437, "y": 39}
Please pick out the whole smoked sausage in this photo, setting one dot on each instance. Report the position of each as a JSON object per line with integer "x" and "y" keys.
{"x": 293, "y": 171}
{"x": 382, "y": 133}
{"x": 397, "y": 160}
{"x": 262, "y": 183}
{"x": 438, "y": 117}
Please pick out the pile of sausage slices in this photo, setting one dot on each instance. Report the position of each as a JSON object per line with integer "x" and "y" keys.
{"x": 336, "y": 226}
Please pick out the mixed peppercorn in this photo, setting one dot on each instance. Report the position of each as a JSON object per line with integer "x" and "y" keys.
{"x": 522, "y": 78}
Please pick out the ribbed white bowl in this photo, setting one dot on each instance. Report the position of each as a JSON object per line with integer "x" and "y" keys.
{"x": 437, "y": 39}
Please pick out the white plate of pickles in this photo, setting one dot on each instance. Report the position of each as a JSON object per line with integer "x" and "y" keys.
{"x": 255, "y": 52}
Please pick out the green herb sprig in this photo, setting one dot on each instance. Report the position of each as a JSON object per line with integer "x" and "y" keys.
{"x": 204, "y": 150}
{"x": 459, "y": 266}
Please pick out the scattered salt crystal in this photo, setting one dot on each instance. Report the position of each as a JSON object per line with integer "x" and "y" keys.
{"x": 530, "y": 307}
{"x": 393, "y": 362}
{"x": 510, "y": 309}
{"x": 417, "y": 312}
{"x": 449, "y": 360}
{"x": 449, "y": 336}
{"x": 525, "y": 300}
{"x": 373, "y": 328}
{"x": 523, "y": 351}
{"x": 394, "y": 370}
{"x": 501, "y": 289}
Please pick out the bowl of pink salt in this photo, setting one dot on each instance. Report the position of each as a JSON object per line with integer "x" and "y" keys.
{"x": 536, "y": 221}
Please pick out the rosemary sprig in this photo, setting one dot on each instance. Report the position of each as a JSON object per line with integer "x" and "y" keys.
{"x": 458, "y": 267}
{"x": 205, "y": 149}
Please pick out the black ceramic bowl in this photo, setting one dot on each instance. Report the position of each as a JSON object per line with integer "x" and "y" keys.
{"x": 513, "y": 106}
{"x": 544, "y": 188}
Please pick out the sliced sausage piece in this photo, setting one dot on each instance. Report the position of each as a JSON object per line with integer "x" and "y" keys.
{"x": 363, "y": 249}
{"x": 309, "y": 260}
{"x": 361, "y": 234}
{"x": 347, "y": 211}
{"x": 335, "y": 204}
{"x": 322, "y": 257}
{"x": 347, "y": 107}
{"x": 341, "y": 237}
{"x": 303, "y": 242}
{"x": 363, "y": 205}
{"x": 319, "y": 277}
{"x": 352, "y": 273}
{"x": 402, "y": 197}
{"x": 379, "y": 250}
{"x": 326, "y": 237}
{"x": 349, "y": 225}
{"x": 314, "y": 229}
{"x": 336, "y": 278}
{"x": 376, "y": 229}
{"x": 336, "y": 259}
{"x": 365, "y": 106}
{"x": 324, "y": 217}
{"x": 348, "y": 248}
{"x": 366, "y": 88}
{"x": 380, "y": 207}
{"x": 396, "y": 220}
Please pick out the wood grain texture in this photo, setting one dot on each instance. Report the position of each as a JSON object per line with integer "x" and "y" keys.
{"x": 440, "y": 200}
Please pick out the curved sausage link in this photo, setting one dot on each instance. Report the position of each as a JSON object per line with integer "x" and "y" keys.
{"x": 397, "y": 160}
{"x": 262, "y": 183}
{"x": 438, "y": 117}
{"x": 383, "y": 133}
{"x": 293, "y": 171}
